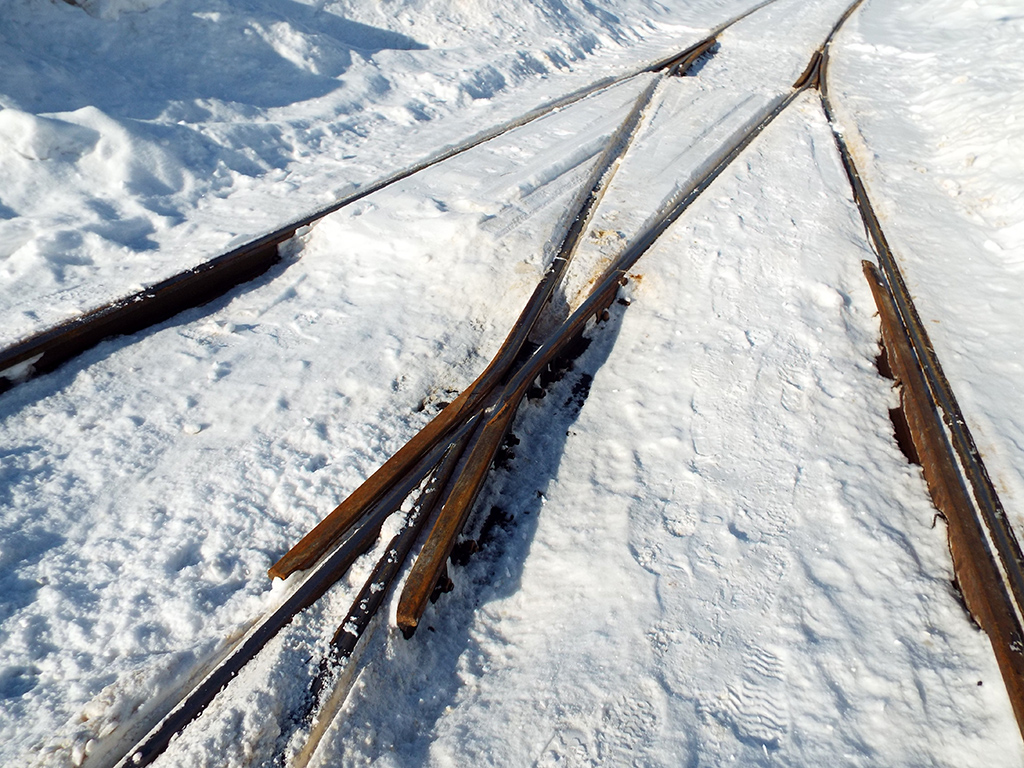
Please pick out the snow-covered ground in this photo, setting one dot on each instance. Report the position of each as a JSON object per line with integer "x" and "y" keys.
{"x": 717, "y": 552}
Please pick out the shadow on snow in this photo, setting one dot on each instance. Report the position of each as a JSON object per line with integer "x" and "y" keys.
{"x": 268, "y": 53}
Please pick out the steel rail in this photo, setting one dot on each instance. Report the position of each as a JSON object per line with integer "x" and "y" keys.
{"x": 975, "y": 569}
{"x": 460, "y": 496}
{"x": 990, "y": 507}
{"x": 408, "y": 470}
{"x": 336, "y": 669}
{"x": 45, "y": 350}
{"x": 987, "y": 556}
{"x": 312, "y": 588}
{"x": 323, "y": 536}
{"x": 362, "y": 537}
{"x": 481, "y": 452}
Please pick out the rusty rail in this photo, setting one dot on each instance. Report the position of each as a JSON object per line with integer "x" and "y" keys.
{"x": 45, "y": 350}
{"x": 318, "y": 541}
{"x": 986, "y": 556}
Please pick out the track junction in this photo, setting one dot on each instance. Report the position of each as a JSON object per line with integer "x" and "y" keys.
{"x": 592, "y": 274}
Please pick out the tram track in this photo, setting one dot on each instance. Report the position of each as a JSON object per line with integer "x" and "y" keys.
{"x": 47, "y": 349}
{"x": 987, "y": 557}
{"x": 473, "y": 427}
{"x": 394, "y": 485}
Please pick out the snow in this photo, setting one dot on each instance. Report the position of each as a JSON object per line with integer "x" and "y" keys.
{"x": 352, "y": 334}
{"x": 707, "y": 547}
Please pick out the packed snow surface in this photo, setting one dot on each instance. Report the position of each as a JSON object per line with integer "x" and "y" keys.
{"x": 706, "y": 547}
